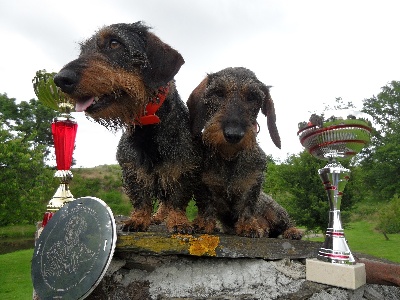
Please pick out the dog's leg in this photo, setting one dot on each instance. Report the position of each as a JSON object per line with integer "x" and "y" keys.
{"x": 292, "y": 233}
{"x": 280, "y": 223}
{"x": 205, "y": 221}
{"x": 178, "y": 222}
{"x": 139, "y": 193}
{"x": 139, "y": 220}
{"x": 173, "y": 182}
{"x": 175, "y": 218}
{"x": 278, "y": 219}
{"x": 176, "y": 201}
{"x": 252, "y": 227}
{"x": 205, "y": 224}
{"x": 250, "y": 222}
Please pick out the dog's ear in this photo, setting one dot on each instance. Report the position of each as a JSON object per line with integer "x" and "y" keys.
{"x": 197, "y": 108}
{"x": 268, "y": 110}
{"x": 164, "y": 62}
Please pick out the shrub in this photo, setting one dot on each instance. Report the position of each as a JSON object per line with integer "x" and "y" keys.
{"x": 389, "y": 216}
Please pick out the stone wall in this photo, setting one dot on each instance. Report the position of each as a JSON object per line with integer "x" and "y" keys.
{"x": 157, "y": 265}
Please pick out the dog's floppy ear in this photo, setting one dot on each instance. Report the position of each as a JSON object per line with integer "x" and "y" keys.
{"x": 197, "y": 109}
{"x": 164, "y": 62}
{"x": 268, "y": 110}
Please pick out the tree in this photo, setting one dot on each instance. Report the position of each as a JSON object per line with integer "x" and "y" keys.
{"x": 381, "y": 165}
{"x": 26, "y": 183}
{"x": 29, "y": 121}
{"x": 385, "y": 109}
{"x": 389, "y": 216}
{"x": 296, "y": 185}
{"x": 34, "y": 120}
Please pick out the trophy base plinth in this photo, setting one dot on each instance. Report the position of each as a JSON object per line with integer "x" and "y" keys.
{"x": 341, "y": 275}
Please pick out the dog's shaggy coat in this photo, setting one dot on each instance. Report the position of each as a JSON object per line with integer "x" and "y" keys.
{"x": 223, "y": 111}
{"x": 120, "y": 70}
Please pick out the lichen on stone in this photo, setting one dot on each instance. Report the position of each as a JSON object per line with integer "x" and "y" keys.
{"x": 204, "y": 245}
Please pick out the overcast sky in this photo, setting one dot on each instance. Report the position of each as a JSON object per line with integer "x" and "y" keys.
{"x": 310, "y": 51}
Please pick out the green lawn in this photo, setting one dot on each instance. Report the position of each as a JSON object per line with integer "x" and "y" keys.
{"x": 15, "y": 275}
{"x": 17, "y": 231}
{"x": 362, "y": 237}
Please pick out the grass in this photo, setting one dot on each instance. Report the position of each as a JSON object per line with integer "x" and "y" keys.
{"x": 363, "y": 238}
{"x": 17, "y": 231}
{"x": 15, "y": 267}
{"x": 15, "y": 278}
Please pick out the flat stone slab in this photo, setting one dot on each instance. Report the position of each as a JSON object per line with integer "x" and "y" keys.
{"x": 159, "y": 265}
{"x": 159, "y": 242}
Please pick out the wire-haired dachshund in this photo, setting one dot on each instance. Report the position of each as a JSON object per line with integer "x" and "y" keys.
{"x": 124, "y": 78}
{"x": 223, "y": 113}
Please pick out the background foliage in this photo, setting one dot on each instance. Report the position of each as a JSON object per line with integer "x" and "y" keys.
{"x": 381, "y": 166}
{"x": 373, "y": 184}
{"x": 25, "y": 143}
{"x": 104, "y": 182}
{"x": 26, "y": 183}
{"x": 296, "y": 185}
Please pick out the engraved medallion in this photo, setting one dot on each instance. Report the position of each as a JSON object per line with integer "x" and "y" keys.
{"x": 74, "y": 250}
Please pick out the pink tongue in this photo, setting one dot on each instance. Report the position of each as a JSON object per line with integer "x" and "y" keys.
{"x": 81, "y": 106}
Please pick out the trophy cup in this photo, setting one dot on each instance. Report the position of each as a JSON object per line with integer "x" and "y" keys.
{"x": 341, "y": 135}
{"x": 74, "y": 246}
{"x": 64, "y": 129}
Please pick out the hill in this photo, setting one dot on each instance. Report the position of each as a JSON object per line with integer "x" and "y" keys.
{"x": 104, "y": 182}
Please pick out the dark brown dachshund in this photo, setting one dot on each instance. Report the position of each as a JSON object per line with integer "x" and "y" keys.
{"x": 123, "y": 78}
{"x": 223, "y": 111}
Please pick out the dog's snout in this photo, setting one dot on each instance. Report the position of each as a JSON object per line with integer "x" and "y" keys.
{"x": 233, "y": 134}
{"x": 66, "y": 80}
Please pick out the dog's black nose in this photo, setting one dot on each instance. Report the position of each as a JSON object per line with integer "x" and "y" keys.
{"x": 233, "y": 135}
{"x": 66, "y": 80}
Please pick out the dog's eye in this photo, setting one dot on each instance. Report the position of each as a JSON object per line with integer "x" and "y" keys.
{"x": 219, "y": 93}
{"x": 114, "y": 44}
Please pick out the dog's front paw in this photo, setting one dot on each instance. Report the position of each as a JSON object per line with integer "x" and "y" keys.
{"x": 139, "y": 221}
{"x": 177, "y": 222}
{"x": 292, "y": 233}
{"x": 205, "y": 225}
{"x": 252, "y": 227}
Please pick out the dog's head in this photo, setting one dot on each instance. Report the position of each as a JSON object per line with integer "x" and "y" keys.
{"x": 120, "y": 68}
{"x": 224, "y": 107}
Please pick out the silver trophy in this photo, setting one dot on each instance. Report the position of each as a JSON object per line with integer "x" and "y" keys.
{"x": 335, "y": 135}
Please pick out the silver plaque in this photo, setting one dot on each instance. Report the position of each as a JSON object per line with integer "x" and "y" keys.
{"x": 74, "y": 250}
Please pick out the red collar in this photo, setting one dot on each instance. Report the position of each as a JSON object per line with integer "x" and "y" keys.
{"x": 149, "y": 116}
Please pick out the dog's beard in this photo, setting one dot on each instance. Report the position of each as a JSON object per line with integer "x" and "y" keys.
{"x": 111, "y": 97}
{"x": 117, "y": 114}
{"x": 213, "y": 136}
